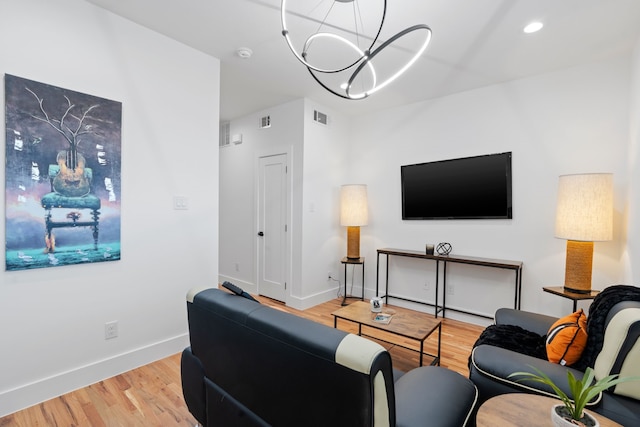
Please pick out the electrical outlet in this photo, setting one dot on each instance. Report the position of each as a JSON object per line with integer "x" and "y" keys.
{"x": 427, "y": 286}
{"x": 329, "y": 276}
{"x": 450, "y": 290}
{"x": 111, "y": 330}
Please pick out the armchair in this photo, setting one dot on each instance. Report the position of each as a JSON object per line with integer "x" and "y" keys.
{"x": 613, "y": 347}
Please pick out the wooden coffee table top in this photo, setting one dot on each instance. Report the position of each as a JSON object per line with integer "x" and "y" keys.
{"x": 518, "y": 409}
{"x": 405, "y": 322}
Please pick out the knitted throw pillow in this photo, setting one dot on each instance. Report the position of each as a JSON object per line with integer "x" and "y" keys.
{"x": 567, "y": 338}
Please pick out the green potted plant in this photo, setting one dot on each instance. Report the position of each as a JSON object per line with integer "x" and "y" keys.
{"x": 571, "y": 412}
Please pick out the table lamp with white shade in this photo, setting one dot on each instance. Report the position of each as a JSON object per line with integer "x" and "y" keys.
{"x": 353, "y": 214}
{"x": 584, "y": 215}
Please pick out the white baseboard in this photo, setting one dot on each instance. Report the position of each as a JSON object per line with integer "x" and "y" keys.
{"x": 307, "y": 302}
{"x": 56, "y": 385}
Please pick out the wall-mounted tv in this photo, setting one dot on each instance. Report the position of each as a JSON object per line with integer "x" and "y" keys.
{"x": 467, "y": 188}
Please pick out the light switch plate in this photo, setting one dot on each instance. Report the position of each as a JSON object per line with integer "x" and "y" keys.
{"x": 180, "y": 202}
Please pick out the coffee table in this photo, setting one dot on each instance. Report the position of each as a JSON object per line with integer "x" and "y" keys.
{"x": 518, "y": 409}
{"x": 405, "y": 323}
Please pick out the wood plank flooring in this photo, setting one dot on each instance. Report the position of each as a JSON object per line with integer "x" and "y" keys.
{"x": 152, "y": 395}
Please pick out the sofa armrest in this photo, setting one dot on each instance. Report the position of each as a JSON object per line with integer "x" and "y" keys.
{"x": 434, "y": 396}
{"x": 496, "y": 364}
{"x": 533, "y": 322}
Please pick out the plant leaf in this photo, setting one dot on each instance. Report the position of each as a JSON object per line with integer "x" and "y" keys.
{"x": 582, "y": 390}
{"x": 543, "y": 378}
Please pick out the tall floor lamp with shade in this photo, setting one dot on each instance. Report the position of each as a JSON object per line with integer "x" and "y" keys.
{"x": 584, "y": 215}
{"x": 353, "y": 215}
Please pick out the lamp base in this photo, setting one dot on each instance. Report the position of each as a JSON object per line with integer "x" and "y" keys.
{"x": 578, "y": 267}
{"x": 353, "y": 242}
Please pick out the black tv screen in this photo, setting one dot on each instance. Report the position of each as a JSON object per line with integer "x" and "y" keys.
{"x": 467, "y": 188}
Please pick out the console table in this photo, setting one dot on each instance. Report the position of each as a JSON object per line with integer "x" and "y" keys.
{"x": 516, "y": 266}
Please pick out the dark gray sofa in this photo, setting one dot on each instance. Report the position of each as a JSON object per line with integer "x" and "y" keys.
{"x": 252, "y": 365}
{"x": 619, "y": 353}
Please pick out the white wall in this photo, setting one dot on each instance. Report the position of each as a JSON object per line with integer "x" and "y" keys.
{"x": 570, "y": 121}
{"x": 326, "y": 167}
{"x": 632, "y": 207}
{"x": 52, "y": 327}
{"x": 317, "y": 164}
{"x": 238, "y": 181}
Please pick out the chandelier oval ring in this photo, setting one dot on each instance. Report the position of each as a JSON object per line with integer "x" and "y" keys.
{"x": 302, "y": 56}
{"x": 400, "y": 71}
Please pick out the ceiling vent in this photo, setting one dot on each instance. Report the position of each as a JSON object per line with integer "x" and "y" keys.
{"x": 319, "y": 117}
{"x": 225, "y": 134}
{"x": 265, "y": 122}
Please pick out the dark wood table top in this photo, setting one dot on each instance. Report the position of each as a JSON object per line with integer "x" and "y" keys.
{"x": 405, "y": 322}
{"x": 561, "y": 291}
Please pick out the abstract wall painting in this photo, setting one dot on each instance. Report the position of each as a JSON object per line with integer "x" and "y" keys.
{"x": 62, "y": 176}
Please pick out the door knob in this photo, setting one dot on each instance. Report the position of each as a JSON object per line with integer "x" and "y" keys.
{"x": 260, "y": 233}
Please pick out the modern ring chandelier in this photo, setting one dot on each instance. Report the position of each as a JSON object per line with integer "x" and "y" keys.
{"x": 338, "y": 44}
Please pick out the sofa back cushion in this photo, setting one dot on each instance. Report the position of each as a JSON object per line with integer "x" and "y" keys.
{"x": 620, "y": 352}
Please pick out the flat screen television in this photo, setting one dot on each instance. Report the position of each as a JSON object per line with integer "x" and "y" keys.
{"x": 467, "y": 188}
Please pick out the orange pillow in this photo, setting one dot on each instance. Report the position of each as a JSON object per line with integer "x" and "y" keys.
{"x": 567, "y": 339}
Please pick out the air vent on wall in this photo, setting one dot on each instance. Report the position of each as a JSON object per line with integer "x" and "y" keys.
{"x": 225, "y": 137}
{"x": 265, "y": 122}
{"x": 236, "y": 138}
{"x": 320, "y": 117}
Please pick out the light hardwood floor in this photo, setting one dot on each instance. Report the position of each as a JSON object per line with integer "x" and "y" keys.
{"x": 152, "y": 395}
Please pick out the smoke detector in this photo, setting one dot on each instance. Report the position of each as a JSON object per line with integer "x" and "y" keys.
{"x": 244, "y": 52}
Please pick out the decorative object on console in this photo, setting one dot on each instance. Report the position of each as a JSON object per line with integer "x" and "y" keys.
{"x": 444, "y": 248}
{"x": 353, "y": 215}
{"x": 584, "y": 215}
{"x": 338, "y": 53}
{"x": 429, "y": 249}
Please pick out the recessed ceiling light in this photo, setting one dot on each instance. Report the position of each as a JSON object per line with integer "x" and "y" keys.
{"x": 533, "y": 27}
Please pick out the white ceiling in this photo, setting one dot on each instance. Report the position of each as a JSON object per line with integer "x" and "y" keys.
{"x": 475, "y": 43}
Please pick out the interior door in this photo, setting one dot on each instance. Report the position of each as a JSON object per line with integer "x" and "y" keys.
{"x": 272, "y": 226}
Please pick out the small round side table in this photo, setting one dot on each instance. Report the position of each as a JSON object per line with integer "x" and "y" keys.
{"x": 519, "y": 409}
